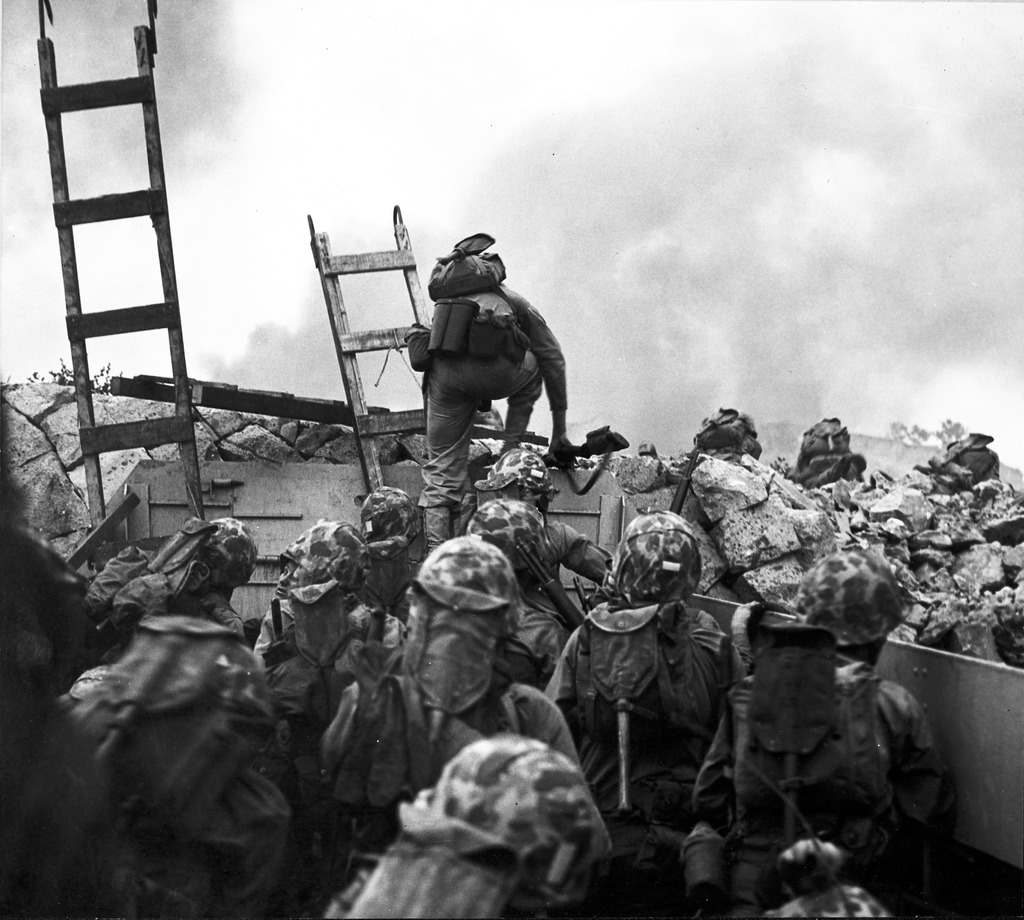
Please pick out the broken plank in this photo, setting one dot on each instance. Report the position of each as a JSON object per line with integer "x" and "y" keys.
{"x": 224, "y": 396}
{"x": 103, "y": 531}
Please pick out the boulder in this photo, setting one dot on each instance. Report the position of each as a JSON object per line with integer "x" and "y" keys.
{"x": 61, "y": 427}
{"x": 226, "y": 422}
{"x": 973, "y": 637}
{"x": 115, "y": 468}
{"x": 712, "y": 565}
{"x": 289, "y": 430}
{"x": 751, "y": 537}
{"x": 340, "y": 450}
{"x": 942, "y": 620}
{"x": 37, "y": 400}
{"x": 23, "y": 441}
{"x": 907, "y": 504}
{"x": 963, "y": 534}
{"x": 312, "y": 439}
{"x": 904, "y": 633}
{"x": 774, "y": 583}
{"x": 256, "y": 443}
{"x": 50, "y": 501}
{"x": 639, "y": 474}
{"x": 979, "y": 568}
{"x": 1013, "y": 560}
{"x": 930, "y": 539}
{"x": 936, "y": 558}
{"x": 816, "y": 534}
{"x": 723, "y": 487}
{"x": 1008, "y": 530}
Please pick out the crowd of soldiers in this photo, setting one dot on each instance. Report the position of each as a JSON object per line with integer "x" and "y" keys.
{"x": 433, "y": 739}
{"x": 452, "y": 735}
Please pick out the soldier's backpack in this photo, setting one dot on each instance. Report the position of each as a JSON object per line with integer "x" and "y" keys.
{"x": 729, "y": 432}
{"x": 467, "y": 269}
{"x": 177, "y": 717}
{"x": 826, "y": 437}
{"x": 805, "y": 727}
{"x": 973, "y": 453}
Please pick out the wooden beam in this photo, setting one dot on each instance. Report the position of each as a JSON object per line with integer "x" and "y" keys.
{"x": 109, "y": 207}
{"x": 121, "y": 322}
{"x": 103, "y": 531}
{"x": 224, "y": 396}
{"x": 373, "y": 340}
{"x": 101, "y": 95}
{"x": 150, "y": 432}
{"x": 392, "y": 423}
{"x": 369, "y": 262}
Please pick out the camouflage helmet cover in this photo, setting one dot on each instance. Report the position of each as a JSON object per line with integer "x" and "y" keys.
{"x": 519, "y": 795}
{"x": 469, "y": 574}
{"x": 230, "y": 554}
{"x": 329, "y": 553}
{"x": 522, "y": 466}
{"x": 508, "y": 523}
{"x": 388, "y": 512}
{"x": 853, "y": 593}
{"x": 658, "y": 560}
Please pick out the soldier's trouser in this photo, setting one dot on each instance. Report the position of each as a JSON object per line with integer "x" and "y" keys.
{"x": 455, "y": 387}
{"x": 247, "y": 830}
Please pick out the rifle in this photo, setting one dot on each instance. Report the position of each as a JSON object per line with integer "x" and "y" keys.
{"x": 567, "y": 612}
{"x": 684, "y": 484}
{"x": 577, "y": 583}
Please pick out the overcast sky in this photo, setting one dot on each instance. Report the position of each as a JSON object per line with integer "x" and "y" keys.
{"x": 795, "y": 209}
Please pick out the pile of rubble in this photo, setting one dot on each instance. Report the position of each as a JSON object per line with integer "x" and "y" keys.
{"x": 959, "y": 558}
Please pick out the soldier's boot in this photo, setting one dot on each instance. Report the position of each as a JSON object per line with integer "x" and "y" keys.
{"x": 437, "y": 526}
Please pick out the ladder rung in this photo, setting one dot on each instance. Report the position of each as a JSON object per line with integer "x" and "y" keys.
{"x": 119, "y": 322}
{"x": 150, "y": 432}
{"x": 109, "y": 207}
{"x": 101, "y": 95}
{"x": 370, "y": 262}
{"x": 391, "y": 422}
{"x": 373, "y": 340}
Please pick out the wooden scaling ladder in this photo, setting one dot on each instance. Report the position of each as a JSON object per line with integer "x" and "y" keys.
{"x": 348, "y": 344}
{"x": 152, "y": 202}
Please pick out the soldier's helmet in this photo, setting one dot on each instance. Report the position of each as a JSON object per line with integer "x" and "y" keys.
{"x": 466, "y": 573}
{"x": 230, "y": 554}
{"x": 508, "y": 523}
{"x": 517, "y": 794}
{"x": 388, "y": 512}
{"x": 852, "y": 593}
{"x": 521, "y": 466}
{"x": 328, "y": 551}
{"x": 658, "y": 560}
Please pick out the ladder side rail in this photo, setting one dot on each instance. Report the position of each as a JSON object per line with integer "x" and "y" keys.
{"x": 72, "y": 291}
{"x": 340, "y": 327}
{"x": 144, "y": 48}
{"x": 412, "y": 277}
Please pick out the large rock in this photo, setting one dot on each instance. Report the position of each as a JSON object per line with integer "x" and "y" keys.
{"x": 774, "y": 583}
{"x": 226, "y": 422}
{"x": 1007, "y": 530}
{"x": 37, "y": 400}
{"x": 816, "y": 535}
{"x": 930, "y": 539}
{"x": 23, "y": 441}
{"x": 51, "y": 503}
{"x": 973, "y": 637}
{"x": 256, "y": 443}
{"x": 340, "y": 450}
{"x": 750, "y": 537}
{"x": 639, "y": 474}
{"x": 712, "y": 565}
{"x": 61, "y": 427}
{"x": 724, "y": 487}
{"x": 115, "y": 467}
{"x": 905, "y": 504}
{"x": 979, "y": 568}
{"x": 1013, "y": 560}
{"x": 312, "y": 439}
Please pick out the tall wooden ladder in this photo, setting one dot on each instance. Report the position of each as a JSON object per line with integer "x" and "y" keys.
{"x": 368, "y": 427}
{"x": 67, "y": 212}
